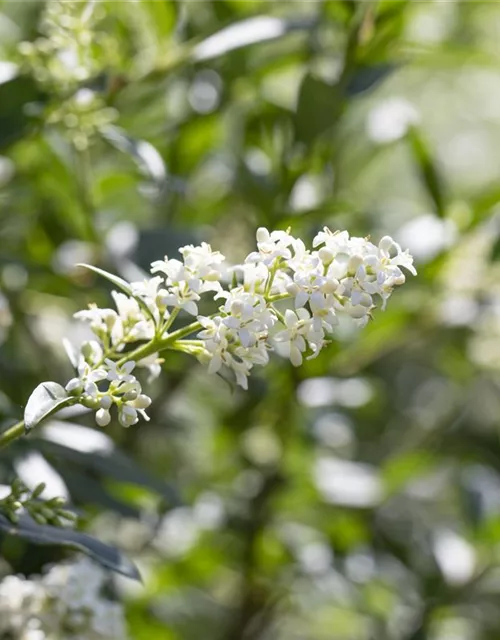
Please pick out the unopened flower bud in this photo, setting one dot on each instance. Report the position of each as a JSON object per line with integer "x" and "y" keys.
{"x": 212, "y": 276}
{"x": 38, "y": 518}
{"x": 103, "y": 417}
{"x": 366, "y": 300}
{"x": 37, "y": 492}
{"x": 142, "y": 402}
{"x": 262, "y": 234}
{"x": 330, "y": 286}
{"x": 90, "y": 402}
{"x": 236, "y": 308}
{"x": 46, "y": 512}
{"x": 67, "y": 515}
{"x": 386, "y": 244}
{"x": 357, "y": 312}
{"x": 57, "y": 502}
{"x": 325, "y": 255}
{"x": 354, "y": 262}
{"x": 110, "y": 320}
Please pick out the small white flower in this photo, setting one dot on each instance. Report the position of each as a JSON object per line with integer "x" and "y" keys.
{"x": 134, "y": 324}
{"x": 141, "y": 402}
{"x": 121, "y": 373}
{"x": 271, "y": 246}
{"x": 101, "y": 321}
{"x": 127, "y": 415}
{"x": 203, "y": 263}
{"x": 153, "y": 364}
{"x": 298, "y": 334}
{"x": 86, "y": 380}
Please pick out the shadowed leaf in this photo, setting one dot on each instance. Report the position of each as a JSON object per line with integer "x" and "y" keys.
{"x": 104, "y": 554}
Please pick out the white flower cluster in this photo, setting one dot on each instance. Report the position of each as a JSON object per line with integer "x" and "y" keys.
{"x": 67, "y": 603}
{"x": 339, "y": 274}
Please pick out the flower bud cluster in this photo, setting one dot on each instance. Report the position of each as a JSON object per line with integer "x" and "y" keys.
{"x": 67, "y": 603}
{"x": 284, "y": 297}
{"x": 70, "y": 53}
{"x": 21, "y": 499}
{"x": 123, "y": 390}
{"x": 70, "y": 49}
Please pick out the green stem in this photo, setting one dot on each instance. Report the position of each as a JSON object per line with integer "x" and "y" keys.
{"x": 278, "y": 296}
{"x": 172, "y": 341}
{"x": 169, "y": 322}
{"x": 11, "y": 434}
{"x": 140, "y": 353}
{"x": 157, "y": 345}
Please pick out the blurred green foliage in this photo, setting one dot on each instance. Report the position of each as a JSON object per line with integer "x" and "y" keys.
{"x": 356, "y": 498}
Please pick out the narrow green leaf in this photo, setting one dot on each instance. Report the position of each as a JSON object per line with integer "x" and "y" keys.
{"x": 104, "y": 554}
{"x": 45, "y": 400}
{"x": 247, "y": 32}
{"x": 121, "y": 284}
{"x": 143, "y": 153}
{"x": 429, "y": 171}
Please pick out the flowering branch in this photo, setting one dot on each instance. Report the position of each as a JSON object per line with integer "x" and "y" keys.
{"x": 283, "y": 298}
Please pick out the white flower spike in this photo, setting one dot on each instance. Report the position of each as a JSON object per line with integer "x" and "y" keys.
{"x": 283, "y": 297}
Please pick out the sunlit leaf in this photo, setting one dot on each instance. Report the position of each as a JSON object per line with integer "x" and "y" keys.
{"x": 144, "y": 154}
{"x": 45, "y": 400}
{"x": 247, "y": 32}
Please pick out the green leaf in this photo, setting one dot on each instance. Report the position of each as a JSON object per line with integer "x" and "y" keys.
{"x": 121, "y": 284}
{"x": 144, "y": 154}
{"x": 368, "y": 77}
{"x": 104, "y": 554}
{"x": 405, "y": 468}
{"x": 63, "y": 441}
{"x": 429, "y": 171}
{"x": 17, "y": 96}
{"x": 45, "y": 400}
{"x": 318, "y": 98}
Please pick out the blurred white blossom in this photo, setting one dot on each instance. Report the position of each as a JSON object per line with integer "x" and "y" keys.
{"x": 390, "y": 120}
{"x": 66, "y": 603}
